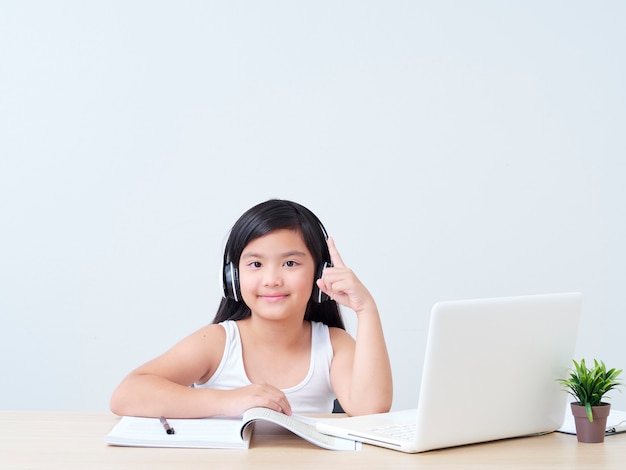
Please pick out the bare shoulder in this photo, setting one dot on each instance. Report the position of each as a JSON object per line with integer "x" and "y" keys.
{"x": 203, "y": 350}
{"x": 192, "y": 359}
{"x": 205, "y": 344}
{"x": 340, "y": 339}
{"x": 212, "y": 331}
{"x": 210, "y": 336}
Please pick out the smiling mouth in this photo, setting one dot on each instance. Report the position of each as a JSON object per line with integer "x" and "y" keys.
{"x": 273, "y": 297}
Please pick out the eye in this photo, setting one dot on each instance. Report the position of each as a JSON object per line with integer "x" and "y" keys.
{"x": 291, "y": 263}
{"x": 255, "y": 264}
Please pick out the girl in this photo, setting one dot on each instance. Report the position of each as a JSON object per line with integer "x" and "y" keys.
{"x": 278, "y": 339}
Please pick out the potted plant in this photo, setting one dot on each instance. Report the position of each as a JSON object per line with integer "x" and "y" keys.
{"x": 588, "y": 385}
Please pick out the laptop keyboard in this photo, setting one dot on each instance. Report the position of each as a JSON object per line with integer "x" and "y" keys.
{"x": 398, "y": 431}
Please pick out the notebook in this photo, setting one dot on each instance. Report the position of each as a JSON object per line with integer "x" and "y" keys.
{"x": 490, "y": 372}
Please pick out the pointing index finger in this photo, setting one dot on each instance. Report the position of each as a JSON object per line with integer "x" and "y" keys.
{"x": 334, "y": 254}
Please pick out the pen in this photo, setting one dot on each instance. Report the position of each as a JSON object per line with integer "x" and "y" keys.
{"x": 166, "y": 425}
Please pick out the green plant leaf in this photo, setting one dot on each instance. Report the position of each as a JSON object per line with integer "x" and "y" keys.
{"x": 589, "y": 412}
{"x": 589, "y": 385}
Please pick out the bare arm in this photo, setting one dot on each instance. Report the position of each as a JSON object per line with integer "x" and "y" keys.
{"x": 361, "y": 371}
{"x": 161, "y": 387}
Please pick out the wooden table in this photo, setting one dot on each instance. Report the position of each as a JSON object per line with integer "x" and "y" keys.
{"x": 67, "y": 440}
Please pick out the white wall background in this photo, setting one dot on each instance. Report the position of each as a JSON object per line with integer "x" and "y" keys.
{"x": 453, "y": 149}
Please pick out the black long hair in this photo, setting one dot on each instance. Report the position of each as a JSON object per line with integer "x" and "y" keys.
{"x": 266, "y": 217}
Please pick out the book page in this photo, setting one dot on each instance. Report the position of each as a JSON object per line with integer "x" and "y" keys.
{"x": 301, "y": 426}
{"x": 196, "y": 433}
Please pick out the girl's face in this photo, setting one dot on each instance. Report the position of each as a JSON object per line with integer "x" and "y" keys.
{"x": 276, "y": 275}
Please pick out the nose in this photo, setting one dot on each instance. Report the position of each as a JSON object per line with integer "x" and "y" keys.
{"x": 272, "y": 276}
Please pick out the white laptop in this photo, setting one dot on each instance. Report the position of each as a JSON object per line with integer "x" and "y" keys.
{"x": 490, "y": 372}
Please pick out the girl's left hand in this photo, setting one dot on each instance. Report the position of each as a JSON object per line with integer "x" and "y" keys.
{"x": 342, "y": 285}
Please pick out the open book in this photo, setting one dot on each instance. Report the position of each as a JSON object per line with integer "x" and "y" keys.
{"x": 225, "y": 433}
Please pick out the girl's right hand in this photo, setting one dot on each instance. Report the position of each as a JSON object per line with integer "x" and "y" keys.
{"x": 235, "y": 402}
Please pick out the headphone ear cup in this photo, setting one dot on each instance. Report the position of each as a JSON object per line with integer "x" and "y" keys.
{"x": 230, "y": 282}
{"x": 319, "y": 296}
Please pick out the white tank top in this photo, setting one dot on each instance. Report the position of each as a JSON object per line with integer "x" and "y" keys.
{"x": 313, "y": 395}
